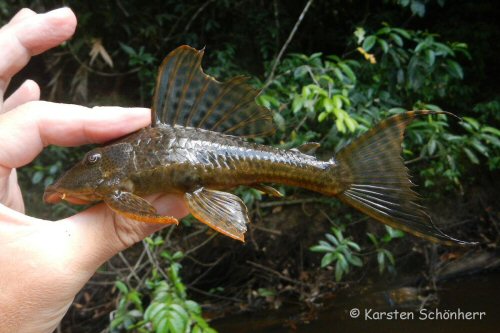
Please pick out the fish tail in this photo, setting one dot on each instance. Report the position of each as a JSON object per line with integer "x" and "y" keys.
{"x": 377, "y": 182}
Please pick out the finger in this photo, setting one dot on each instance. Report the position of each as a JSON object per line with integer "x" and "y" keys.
{"x": 29, "y": 35}
{"x": 27, "y": 92}
{"x": 25, "y": 130}
{"x": 21, "y": 15}
{"x": 110, "y": 233}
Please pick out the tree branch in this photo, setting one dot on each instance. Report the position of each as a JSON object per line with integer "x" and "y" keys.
{"x": 287, "y": 42}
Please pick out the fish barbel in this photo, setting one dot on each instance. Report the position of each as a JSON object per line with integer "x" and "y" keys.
{"x": 196, "y": 146}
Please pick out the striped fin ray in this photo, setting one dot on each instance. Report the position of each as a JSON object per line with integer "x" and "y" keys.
{"x": 377, "y": 181}
{"x": 186, "y": 96}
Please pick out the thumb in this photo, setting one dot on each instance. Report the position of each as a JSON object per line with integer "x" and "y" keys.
{"x": 98, "y": 233}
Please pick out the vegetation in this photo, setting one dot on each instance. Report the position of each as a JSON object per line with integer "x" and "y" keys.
{"x": 346, "y": 66}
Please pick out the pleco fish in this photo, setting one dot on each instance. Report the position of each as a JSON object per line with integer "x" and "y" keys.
{"x": 196, "y": 146}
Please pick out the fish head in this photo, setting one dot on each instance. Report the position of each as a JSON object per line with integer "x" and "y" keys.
{"x": 96, "y": 175}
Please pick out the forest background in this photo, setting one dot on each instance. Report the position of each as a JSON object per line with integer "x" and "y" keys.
{"x": 329, "y": 71}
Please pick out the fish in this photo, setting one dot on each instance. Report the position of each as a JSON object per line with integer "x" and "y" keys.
{"x": 197, "y": 146}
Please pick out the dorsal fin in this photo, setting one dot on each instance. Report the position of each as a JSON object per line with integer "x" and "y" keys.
{"x": 188, "y": 97}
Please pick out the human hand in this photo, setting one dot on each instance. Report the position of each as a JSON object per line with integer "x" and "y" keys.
{"x": 44, "y": 264}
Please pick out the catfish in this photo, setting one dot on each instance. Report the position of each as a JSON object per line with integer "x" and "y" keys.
{"x": 196, "y": 145}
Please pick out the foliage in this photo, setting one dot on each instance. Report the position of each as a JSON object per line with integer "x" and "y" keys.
{"x": 350, "y": 65}
{"x": 417, "y": 7}
{"x": 338, "y": 250}
{"x": 168, "y": 311}
{"x": 402, "y": 69}
{"x": 385, "y": 258}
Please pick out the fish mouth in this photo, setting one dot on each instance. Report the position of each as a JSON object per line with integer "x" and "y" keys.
{"x": 53, "y": 195}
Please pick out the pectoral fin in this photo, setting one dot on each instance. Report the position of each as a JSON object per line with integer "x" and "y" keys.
{"x": 132, "y": 206}
{"x": 269, "y": 190}
{"x": 222, "y": 211}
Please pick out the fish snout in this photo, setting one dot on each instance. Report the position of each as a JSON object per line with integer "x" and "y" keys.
{"x": 52, "y": 195}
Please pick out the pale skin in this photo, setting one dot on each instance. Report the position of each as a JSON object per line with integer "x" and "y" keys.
{"x": 43, "y": 264}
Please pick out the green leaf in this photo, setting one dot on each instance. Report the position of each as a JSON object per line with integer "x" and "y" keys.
{"x": 122, "y": 287}
{"x": 153, "y": 310}
{"x": 322, "y": 248}
{"x": 128, "y": 50}
{"x": 343, "y": 262}
{"x": 492, "y": 130}
{"x": 396, "y": 38}
{"x": 355, "y": 261}
{"x": 328, "y": 104}
{"x": 431, "y": 146}
{"x": 479, "y": 147}
{"x": 472, "y": 157}
{"x": 369, "y": 42}
{"x": 383, "y": 45}
{"x": 337, "y": 101}
{"x": 297, "y": 103}
{"x": 383, "y": 31}
{"x": 381, "y": 258}
{"x": 402, "y": 32}
{"x": 417, "y": 8}
{"x": 433, "y": 107}
{"x": 327, "y": 259}
{"x": 37, "y": 177}
{"x": 176, "y": 322}
{"x": 266, "y": 292}
{"x": 162, "y": 325}
{"x": 455, "y": 69}
{"x": 351, "y": 124}
{"x": 193, "y": 307}
{"x": 340, "y": 125}
{"x": 353, "y": 245}
{"x": 430, "y": 57}
{"x": 332, "y": 239}
{"x": 473, "y": 122}
{"x": 372, "y": 238}
{"x": 322, "y": 116}
{"x": 279, "y": 120}
{"x": 348, "y": 71}
{"x": 389, "y": 256}
{"x": 338, "y": 272}
{"x": 491, "y": 139}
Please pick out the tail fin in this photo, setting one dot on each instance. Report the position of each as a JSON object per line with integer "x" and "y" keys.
{"x": 378, "y": 183}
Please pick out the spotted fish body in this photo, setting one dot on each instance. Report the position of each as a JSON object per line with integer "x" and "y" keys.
{"x": 196, "y": 145}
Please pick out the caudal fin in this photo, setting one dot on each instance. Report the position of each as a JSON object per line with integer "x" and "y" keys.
{"x": 378, "y": 183}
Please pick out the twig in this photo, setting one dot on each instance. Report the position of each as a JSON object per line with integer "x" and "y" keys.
{"x": 154, "y": 262}
{"x": 278, "y": 274}
{"x": 120, "y": 5}
{"x": 290, "y": 202}
{"x": 125, "y": 261}
{"x": 276, "y": 21}
{"x": 285, "y": 46}
{"x": 271, "y": 231}
{"x": 206, "y": 271}
{"x": 201, "y": 245}
{"x": 198, "y": 12}
{"x": 203, "y": 292}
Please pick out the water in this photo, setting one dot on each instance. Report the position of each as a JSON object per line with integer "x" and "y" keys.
{"x": 474, "y": 294}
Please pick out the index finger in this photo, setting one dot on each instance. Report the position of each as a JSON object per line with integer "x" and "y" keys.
{"x": 25, "y": 130}
{"x": 29, "y": 34}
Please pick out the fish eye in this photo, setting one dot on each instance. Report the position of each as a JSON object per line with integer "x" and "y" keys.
{"x": 93, "y": 158}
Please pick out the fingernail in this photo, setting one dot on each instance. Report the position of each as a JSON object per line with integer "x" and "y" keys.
{"x": 63, "y": 12}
